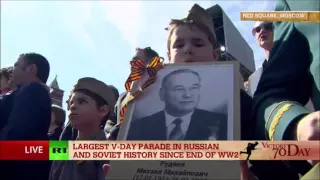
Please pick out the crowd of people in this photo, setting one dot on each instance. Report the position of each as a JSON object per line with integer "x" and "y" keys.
{"x": 289, "y": 77}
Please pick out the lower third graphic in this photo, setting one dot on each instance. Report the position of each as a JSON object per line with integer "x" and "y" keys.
{"x": 250, "y": 147}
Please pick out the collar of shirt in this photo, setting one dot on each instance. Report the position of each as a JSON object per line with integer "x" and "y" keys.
{"x": 264, "y": 64}
{"x": 184, "y": 124}
{"x": 100, "y": 136}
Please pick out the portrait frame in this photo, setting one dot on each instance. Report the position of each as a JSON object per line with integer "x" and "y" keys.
{"x": 236, "y": 94}
{"x": 220, "y": 169}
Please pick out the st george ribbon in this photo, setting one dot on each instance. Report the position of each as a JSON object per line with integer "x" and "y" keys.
{"x": 138, "y": 68}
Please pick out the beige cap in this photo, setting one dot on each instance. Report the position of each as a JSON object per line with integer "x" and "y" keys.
{"x": 199, "y": 16}
{"x": 99, "y": 88}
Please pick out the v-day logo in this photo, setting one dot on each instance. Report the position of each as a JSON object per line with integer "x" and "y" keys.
{"x": 250, "y": 147}
{"x": 288, "y": 149}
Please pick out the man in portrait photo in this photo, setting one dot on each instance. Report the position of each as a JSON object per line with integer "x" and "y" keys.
{"x": 180, "y": 119}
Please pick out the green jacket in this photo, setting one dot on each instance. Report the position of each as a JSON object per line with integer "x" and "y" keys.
{"x": 291, "y": 76}
{"x": 289, "y": 80}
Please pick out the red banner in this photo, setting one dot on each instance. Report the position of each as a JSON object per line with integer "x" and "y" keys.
{"x": 24, "y": 150}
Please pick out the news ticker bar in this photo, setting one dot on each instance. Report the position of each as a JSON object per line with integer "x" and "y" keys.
{"x": 297, "y": 16}
{"x": 159, "y": 150}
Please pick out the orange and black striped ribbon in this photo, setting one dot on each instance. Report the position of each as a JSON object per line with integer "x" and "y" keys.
{"x": 137, "y": 70}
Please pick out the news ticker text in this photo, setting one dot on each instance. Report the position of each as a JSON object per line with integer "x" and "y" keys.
{"x": 159, "y": 150}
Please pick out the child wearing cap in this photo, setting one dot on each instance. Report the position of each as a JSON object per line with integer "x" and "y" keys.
{"x": 91, "y": 103}
{"x": 193, "y": 39}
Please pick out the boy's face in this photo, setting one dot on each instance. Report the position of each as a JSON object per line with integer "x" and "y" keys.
{"x": 83, "y": 111}
{"x": 190, "y": 44}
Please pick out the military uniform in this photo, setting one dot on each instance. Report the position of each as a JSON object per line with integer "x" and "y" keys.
{"x": 291, "y": 76}
{"x": 313, "y": 173}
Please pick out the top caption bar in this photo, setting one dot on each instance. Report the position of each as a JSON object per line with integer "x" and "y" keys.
{"x": 288, "y": 16}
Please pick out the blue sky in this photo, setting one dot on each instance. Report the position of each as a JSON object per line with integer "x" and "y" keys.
{"x": 97, "y": 38}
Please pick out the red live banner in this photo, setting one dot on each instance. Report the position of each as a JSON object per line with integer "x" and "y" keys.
{"x": 24, "y": 150}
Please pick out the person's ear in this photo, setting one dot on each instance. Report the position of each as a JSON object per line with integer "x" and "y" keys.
{"x": 104, "y": 110}
{"x": 33, "y": 69}
{"x": 216, "y": 54}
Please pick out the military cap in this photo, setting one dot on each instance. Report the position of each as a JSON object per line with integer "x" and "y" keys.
{"x": 59, "y": 113}
{"x": 200, "y": 17}
{"x": 99, "y": 88}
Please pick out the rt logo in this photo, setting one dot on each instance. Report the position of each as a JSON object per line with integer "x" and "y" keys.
{"x": 250, "y": 147}
{"x": 58, "y": 150}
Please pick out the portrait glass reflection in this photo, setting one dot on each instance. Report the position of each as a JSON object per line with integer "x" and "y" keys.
{"x": 185, "y": 103}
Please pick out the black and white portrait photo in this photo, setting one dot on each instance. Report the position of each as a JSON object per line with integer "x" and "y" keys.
{"x": 193, "y": 102}
{"x": 185, "y": 103}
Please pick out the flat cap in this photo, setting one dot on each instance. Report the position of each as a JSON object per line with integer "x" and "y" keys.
{"x": 99, "y": 88}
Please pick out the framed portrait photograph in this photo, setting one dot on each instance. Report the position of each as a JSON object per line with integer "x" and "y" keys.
{"x": 187, "y": 102}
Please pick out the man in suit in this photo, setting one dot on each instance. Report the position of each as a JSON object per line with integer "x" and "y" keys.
{"x": 180, "y": 119}
{"x": 25, "y": 114}
{"x": 290, "y": 78}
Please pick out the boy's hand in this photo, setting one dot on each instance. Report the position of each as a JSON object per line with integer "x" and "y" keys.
{"x": 105, "y": 168}
{"x": 308, "y": 128}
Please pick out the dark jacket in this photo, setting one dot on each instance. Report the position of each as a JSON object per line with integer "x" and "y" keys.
{"x": 55, "y": 136}
{"x": 68, "y": 132}
{"x": 25, "y": 114}
{"x": 112, "y": 126}
{"x": 71, "y": 170}
{"x": 153, "y": 127}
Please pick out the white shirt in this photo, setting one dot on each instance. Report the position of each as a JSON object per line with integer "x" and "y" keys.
{"x": 184, "y": 124}
{"x": 254, "y": 80}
